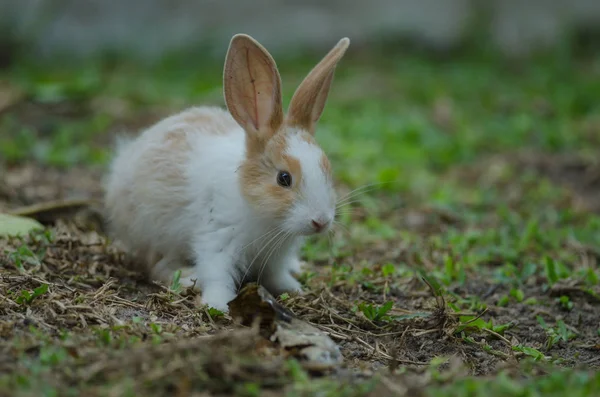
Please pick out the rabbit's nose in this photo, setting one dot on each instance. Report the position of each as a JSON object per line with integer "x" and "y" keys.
{"x": 318, "y": 225}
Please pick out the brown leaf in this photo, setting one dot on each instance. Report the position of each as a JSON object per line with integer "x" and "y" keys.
{"x": 255, "y": 303}
{"x": 311, "y": 346}
{"x": 84, "y": 212}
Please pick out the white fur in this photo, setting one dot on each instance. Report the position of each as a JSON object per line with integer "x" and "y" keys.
{"x": 215, "y": 229}
{"x": 318, "y": 196}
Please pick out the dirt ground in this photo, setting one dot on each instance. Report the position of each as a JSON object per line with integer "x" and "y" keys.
{"x": 94, "y": 294}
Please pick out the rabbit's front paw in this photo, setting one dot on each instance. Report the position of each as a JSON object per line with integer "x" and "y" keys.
{"x": 189, "y": 279}
{"x": 294, "y": 265}
{"x": 218, "y": 297}
{"x": 281, "y": 282}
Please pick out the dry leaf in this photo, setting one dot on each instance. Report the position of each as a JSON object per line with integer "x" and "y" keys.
{"x": 85, "y": 213}
{"x": 11, "y": 225}
{"x": 311, "y": 346}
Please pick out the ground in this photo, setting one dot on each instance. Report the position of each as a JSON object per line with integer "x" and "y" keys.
{"x": 465, "y": 263}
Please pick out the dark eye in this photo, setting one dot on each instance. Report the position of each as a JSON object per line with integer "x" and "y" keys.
{"x": 284, "y": 179}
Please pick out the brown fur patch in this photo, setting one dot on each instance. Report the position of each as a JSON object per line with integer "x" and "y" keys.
{"x": 293, "y": 167}
{"x": 306, "y": 137}
{"x": 198, "y": 118}
{"x": 325, "y": 164}
{"x": 166, "y": 164}
{"x": 277, "y": 146}
{"x": 259, "y": 186}
{"x": 177, "y": 140}
{"x": 259, "y": 178}
{"x": 254, "y": 146}
{"x": 215, "y": 121}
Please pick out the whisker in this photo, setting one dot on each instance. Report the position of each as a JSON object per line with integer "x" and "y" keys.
{"x": 351, "y": 200}
{"x": 275, "y": 248}
{"x": 347, "y": 203}
{"x": 340, "y": 224}
{"x": 343, "y": 228}
{"x": 361, "y": 190}
{"x": 344, "y": 213}
{"x": 275, "y": 229}
{"x": 354, "y": 196}
{"x": 348, "y": 209}
{"x": 355, "y": 190}
{"x": 265, "y": 235}
{"x": 258, "y": 254}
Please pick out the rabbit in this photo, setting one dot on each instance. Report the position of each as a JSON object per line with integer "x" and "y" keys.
{"x": 233, "y": 192}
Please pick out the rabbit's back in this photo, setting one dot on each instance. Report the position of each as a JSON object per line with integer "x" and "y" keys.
{"x": 148, "y": 189}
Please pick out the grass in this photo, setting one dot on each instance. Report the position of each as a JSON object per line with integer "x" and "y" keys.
{"x": 469, "y": 267}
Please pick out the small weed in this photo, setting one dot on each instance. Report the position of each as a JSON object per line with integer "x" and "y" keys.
{"x": 559, "y": 333}
{"x": 305, "y": 277}
{"x": 388, "y": 270}
{"x": 517, "y": 294}
{"x": 137, "y": 320}
{"x": 476, "y": 324}
{"x": 375, "y": 313}
{"x": 432, "y": 283}
{"x": 339, "y": 273}
{"x": 296, "y": 371}
{"x": 26, "y": 297}
{"x": 555, "y": 271}
{"x": 469, "y": 303}
{"x": 411, "y": 316}
{"x": 156, "y": 328}
{"x": 24, "y": 255}
{"x": 531, "y": 301}
{"x": 215, "y": 313}
{"x": 454, "y": 271}
{"x": 531, "y": 352}
{"x": 52, "y": 355}
{"x": 565, "y": 303}
{"x": 285, "y": 296}
{"x": 503, "y": 301}
{"x": 591, "y": 277}
{"x": 157, "y": 332}
{"x": 175, "y": 284}
{"x": 104, "y": 336}
{"x": 250, "y": 389}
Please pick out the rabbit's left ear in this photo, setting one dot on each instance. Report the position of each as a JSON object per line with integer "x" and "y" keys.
{"x": 252, "y": 89}
{"x": 309, "y": 99}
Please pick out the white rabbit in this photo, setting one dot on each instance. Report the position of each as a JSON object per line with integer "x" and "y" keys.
{"x": 232, "y": 193}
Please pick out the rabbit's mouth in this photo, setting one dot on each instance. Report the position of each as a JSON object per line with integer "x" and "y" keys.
{"x": 316, "y": 227}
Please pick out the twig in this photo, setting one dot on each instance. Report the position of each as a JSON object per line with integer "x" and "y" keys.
{"x": 477, "y": 317}
{"x": 497, "y": 335}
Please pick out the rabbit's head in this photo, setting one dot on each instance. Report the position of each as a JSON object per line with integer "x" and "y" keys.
{"x": 285, "y": 176}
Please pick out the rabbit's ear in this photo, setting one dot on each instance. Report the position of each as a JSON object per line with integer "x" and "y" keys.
{"x": 309, "y": 99}
{"x": 252, "y": 88}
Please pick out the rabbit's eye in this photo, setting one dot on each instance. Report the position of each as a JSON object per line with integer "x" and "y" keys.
{"x": 284, "y": 179}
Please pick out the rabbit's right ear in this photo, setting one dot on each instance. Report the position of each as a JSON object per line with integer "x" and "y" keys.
{"x": 308, "y": 101}
{"x": 252, "y": 88}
